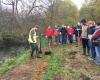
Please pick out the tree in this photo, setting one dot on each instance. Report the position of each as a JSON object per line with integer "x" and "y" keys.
{"x": 91, "y": 10}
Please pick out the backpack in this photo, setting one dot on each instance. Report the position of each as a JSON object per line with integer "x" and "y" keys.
{"x": 97, "y": 41}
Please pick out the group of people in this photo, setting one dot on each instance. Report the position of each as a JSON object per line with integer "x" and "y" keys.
{"x": 90, "y": 37}
{"x": 59, "y": 35}
{"x": 85, "y": 33}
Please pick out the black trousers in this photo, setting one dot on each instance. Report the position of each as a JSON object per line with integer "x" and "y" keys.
{"x": 70, "y": 39}
{"x": 34, "y": 47}
{"x": 85, "y": 46}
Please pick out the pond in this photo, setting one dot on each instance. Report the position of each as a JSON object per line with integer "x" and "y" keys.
{"x": 10, "y": 52}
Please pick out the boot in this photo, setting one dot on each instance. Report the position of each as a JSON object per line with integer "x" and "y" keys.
{"x": 38, "y": 55}
{"x": 31, "y": 55}
{"x": 84, "y": 51}
{"x": 88, "y": 52}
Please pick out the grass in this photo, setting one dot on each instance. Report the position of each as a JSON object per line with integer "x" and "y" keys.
{"x": 54, "y": 65}
{"x": 11, "y": 63}
{"x": 71, "y": 74}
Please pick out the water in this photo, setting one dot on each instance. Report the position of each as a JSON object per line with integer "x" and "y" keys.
{"x": 10, "y": 52}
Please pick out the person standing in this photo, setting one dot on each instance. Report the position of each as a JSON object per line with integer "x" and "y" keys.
{"x": 33, "y": 41}
{"x": 59, "y": 35}
{"x": 70, "y": 33}
{"x": 91, "y": 30}
{"x": 96, "y": 42}
{"x": 56, "y": 35}
{"x": 84, "y": 37}
{"x": 49, "y": 35}
{"x": 78, "y": 32}
{"x": 64, "y": 34}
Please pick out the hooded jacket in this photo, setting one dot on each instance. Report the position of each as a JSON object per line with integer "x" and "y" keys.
{"x": 49, "y": 32}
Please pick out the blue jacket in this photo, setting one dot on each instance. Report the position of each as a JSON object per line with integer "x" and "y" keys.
{"x": 91, "y": 30}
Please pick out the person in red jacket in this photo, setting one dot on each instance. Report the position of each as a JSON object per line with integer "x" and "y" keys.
{"x": 70, "y": 32}
{"x": 49, "y": 34}
{"x": 56, "y": 35}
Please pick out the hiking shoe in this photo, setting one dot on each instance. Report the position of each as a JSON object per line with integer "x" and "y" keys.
{"x": 38, "y": 56}
{"x": 90, "y": 59}
{"x": 82, "y": 53}
{"x": 32, "y": 57}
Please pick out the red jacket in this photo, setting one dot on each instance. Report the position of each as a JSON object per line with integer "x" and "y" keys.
{"x": 49, "y": 32}
{"x": 96, "y": 35}
{"x": 55, "y": 33}
{"x": 70, "y": 31}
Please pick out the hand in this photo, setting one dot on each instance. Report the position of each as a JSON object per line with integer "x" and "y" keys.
{"x": 60, "y": 33}
{"x": 46, "y": 37}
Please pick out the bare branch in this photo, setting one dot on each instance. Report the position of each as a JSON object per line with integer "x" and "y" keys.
{"x": 6, "y": 3}
{"x": 44, "y": 3}
{"x": 32, "y": 7}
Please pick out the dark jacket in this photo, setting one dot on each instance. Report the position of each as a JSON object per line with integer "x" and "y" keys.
{"x": 91, "y": 30}
{"x": 78, "y": 30}
{"x": 63, "y": 31}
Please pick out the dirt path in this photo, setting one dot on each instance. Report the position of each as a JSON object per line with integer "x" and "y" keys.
{"x": 30, "y": 70}
{"x": 34, "y": 69}
{"x": 79, "y": 63}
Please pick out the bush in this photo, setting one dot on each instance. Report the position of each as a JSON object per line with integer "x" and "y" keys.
{"x": 9, "y": 39}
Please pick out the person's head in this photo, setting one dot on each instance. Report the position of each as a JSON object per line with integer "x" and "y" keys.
{"x": 56, "y": 26}
{"x": 68, "y": 26}
{"x": 91, "y": 23}
{"x": 78, "y": 24}
{"x": 49, "y": 26}
{"x": 37, "y": 27}
{"x": 83, "y": 21}
{"x": 98, "y": 25}
{"x": 63, "y": 26}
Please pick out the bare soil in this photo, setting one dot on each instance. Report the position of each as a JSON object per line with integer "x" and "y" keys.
{"x": 30, "y": 70}
{"x": 34, "y": 69}
{"x": 79, "y": 63}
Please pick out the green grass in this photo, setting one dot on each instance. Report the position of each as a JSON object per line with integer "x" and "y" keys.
{"x": 71, "y": 74}
{"x": 11, "y": 63}
{"x": 54, "y": 65}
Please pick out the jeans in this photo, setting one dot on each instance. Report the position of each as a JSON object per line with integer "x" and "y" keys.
{"x": 64, "y": 39}
{"x": 97, "y": 49}
{"x": 92, "y": 49}
{"x": 60, "y": 38}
